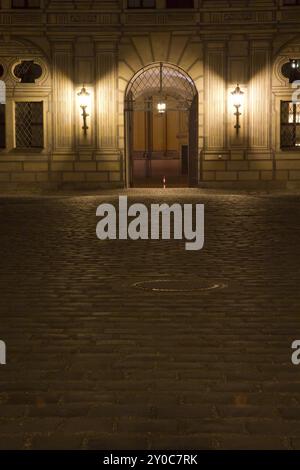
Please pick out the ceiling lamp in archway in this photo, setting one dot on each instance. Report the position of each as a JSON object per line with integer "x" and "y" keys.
{"x": 161, "y": 107}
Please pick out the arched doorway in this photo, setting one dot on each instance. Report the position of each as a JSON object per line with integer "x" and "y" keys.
{"x": 161, "y": 117}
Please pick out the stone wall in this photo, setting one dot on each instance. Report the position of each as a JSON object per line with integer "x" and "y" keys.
{"x": 103, "y": 45}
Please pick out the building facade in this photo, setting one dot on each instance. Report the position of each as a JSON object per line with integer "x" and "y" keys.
{"x": 114, "y": 93}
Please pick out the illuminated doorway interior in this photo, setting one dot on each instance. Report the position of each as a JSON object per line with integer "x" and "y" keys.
{"x": 162, "y": 128}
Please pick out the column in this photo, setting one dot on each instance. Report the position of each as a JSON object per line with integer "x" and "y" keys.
{"x": 63, "y": 99}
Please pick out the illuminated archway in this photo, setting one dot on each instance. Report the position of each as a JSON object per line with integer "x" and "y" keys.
{"x": 161, "y": 119}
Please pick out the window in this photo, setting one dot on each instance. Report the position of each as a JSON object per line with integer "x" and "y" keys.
{"x": 141, "y": 3}
{"x": 291, "y": 70}
{"x": 180, "y": 3}
{"x": 291, "y": 2}
{"x": 290, "y": 125}
{"x": 29, "y": 125}
{"x": 2, "y": 126}
{"x": 26, "y": 4}
{"x": 28, "y": 71}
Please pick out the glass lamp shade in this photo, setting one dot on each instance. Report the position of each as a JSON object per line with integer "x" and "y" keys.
{"x": 237, "y": 97}
{"x": 161, "y": 107}
{"x": 84, "y": 98}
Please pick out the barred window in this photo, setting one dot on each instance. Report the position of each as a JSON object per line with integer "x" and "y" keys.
{"x": 2, "y": 126}
{"x": 29, "y": 125}
{"x": 290, "y": 125}
{"x": 26, "y": 4}
{"x": 291, "y": 2}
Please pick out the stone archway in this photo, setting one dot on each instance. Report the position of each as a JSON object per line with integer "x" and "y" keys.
{"x": 177, "y": 49}
{"x": 161, "y": 119}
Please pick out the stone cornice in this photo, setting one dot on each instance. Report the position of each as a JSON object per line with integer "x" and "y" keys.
{"x": 223, "y": 18}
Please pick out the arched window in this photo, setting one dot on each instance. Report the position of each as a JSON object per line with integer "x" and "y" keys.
{"x": 290, "y": 71}
{"x": 28, "y": 71}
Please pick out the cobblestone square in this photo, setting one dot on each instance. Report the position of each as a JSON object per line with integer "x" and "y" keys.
{"x": 96, "y": 362}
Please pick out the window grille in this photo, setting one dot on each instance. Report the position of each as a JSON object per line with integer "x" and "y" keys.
{"x": 29, "y": 125}
{"x": 160, "y": 78}
{"x": 290, "y": 125}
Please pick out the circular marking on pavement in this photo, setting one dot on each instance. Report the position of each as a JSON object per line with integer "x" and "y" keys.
{"x": 167, "y": 285}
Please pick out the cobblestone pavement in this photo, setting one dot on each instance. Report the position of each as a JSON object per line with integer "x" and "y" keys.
{"x": 95, "y": 363}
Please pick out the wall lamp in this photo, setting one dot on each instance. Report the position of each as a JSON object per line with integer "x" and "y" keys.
{"x": 84, "y": 101}
{"x": 238, "y": 100}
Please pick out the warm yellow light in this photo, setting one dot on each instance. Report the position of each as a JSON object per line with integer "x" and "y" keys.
{"x": 161, "y": 107}
{"x": 84, "y": 98}
{"x": 238, "y": 97}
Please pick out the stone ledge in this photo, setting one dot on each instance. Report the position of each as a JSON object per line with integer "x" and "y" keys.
{"x": 246, "y": 185}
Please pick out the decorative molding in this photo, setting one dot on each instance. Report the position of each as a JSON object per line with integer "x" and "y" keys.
{"x": 107, "y": 15}
{"x": 237, "y": 17}
{"x": 79, "y": 18}
{"x": 160, "y": 18}
{"x": 22, "y": 19}
{"x": 14, "y": 52}
{"x": 39, "y": 81}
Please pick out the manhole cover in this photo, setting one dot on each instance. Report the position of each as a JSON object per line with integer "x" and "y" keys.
{"x": 179, "y": 286}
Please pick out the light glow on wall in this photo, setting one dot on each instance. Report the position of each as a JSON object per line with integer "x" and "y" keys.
{"x": 84, "y": 106}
